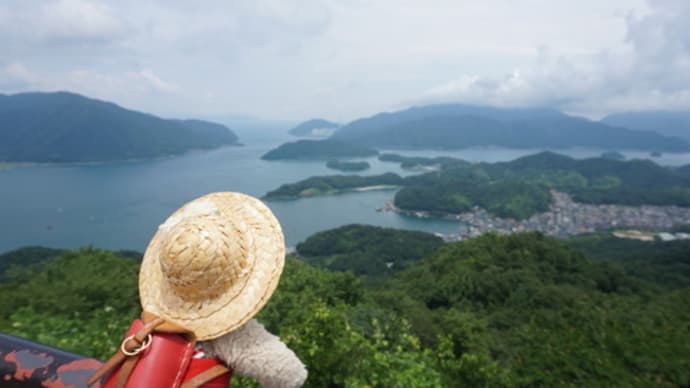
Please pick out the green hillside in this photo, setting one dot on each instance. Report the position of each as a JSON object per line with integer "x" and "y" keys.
{"x": 66, "y": 127}
{"x": 367, "y": 250}
{"x": 520, "y": 188}
{"x": 515, "y": 311}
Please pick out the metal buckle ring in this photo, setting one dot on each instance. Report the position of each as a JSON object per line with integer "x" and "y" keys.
{"x": 141, "y": 348}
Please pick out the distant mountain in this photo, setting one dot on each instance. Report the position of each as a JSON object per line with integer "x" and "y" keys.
{"x": 317, "y": 149}
{"x": 314, "y": 128}
{"x": 456, "y": 126}
{"x": 669, "y": 123}
{"x": 67, "y": 127}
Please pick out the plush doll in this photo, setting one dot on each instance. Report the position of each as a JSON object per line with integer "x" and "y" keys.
{"x": 210, "y": 267}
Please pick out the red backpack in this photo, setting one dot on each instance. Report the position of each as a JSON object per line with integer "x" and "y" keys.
{"x": 156, "y": 353}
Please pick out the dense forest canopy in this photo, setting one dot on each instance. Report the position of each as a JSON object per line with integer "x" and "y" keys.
{"x": 516, "y": 189}
{"x": 367, "y": 250}
{"x": 520, "y": 310}
{"x": 520, "y": 188}
{"x": 67, "y": 127}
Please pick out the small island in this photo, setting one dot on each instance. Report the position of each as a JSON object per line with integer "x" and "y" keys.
{"x": 334, "y": 184}
{"x": 549, "y": 192}
{"x": 421, "y": 163}
{"x": 318, "y": 150}
{"x": 347, "y": 166}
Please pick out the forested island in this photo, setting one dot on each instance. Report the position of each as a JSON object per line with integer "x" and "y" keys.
{"x": 521, "y": 188}
{"x": 67, "y": 128}
{"x": 333, "y": 184}
{"x": 347, "y": 166}
{"x": 514, "y": 190}
{"x": 318, "y": 149}
{"x": 499, "y": 311}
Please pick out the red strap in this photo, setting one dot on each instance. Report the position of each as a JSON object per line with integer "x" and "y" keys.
{"x": 205, "y": 376}
{"x": 133, "y": 345}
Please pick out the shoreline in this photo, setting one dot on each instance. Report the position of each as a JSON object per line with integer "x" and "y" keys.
{"x": 7, "y": 165}
{"x": 305, "y": 194}
{"x": 564, "y": 218}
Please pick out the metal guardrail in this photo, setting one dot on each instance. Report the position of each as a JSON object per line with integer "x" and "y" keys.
{"x": 24, "y": 363}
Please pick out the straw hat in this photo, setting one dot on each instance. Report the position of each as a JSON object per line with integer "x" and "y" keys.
{"x": 213, "y": 264}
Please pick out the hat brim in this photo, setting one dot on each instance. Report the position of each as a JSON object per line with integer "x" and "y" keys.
{"x": 265, "y": 247}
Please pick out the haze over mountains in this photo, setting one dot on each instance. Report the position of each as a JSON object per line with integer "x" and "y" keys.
{"x": 669, "y": 123}
{"x": 67, "y": 127}
{"x": 315, "y": 128}
{"x": 455, "y": 126}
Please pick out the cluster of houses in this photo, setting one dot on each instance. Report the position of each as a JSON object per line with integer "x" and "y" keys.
{"x": 566, "y": 217}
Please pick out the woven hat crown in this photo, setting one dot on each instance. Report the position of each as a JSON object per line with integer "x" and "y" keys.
{"x": 213, "y": 264}
{"x": 203, "y": 257}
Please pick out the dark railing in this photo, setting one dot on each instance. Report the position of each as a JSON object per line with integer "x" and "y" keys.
{"x": 28, "y": 364}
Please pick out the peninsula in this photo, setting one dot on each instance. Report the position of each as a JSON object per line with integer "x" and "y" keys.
{"x": 334, "y": 184}
{"x": 319, "y": 150}
{"x": 65, "y": 127}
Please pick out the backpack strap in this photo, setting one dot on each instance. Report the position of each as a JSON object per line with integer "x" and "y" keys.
{"x": 206, "y": 376}
{"x": 132, "y": 346}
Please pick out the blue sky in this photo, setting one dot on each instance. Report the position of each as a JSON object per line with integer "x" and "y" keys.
{"x": 343, "y": 59}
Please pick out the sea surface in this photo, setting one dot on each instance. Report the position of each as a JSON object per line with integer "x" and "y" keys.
{"x": 120, "y": 205}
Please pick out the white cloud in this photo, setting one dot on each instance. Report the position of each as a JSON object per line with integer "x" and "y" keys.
{"x": 16, "y": 77}
{"x": 343, "y": 59}
{"x": 143, "y": 83}
{"x": 59, "y": 22}
{"x": 651, "y": 71}
{"x": 78, "y": 20}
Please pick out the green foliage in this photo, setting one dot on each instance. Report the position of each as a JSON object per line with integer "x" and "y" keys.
{"x": 347, "y": 166}
{"x": 521, "y": 188}
{"x": 367, "y": 250}
{"x": 26, "y": 256}
{"x": 317, "y": 149}
{"x": 82, "y": 301}
{"x": 520, "y": 310}
{"x": 666, "y": 264}
{"x": 96, "y": 333}
{"x": 332, "y": 184}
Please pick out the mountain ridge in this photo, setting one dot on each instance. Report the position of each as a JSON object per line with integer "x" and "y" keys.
{"x": 456, "y": 126}
{"x": 68, "y": 127}
{"x": 670, "y": 123}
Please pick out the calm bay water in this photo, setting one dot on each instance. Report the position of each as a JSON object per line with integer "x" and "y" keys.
{"x": 119, "y": 205}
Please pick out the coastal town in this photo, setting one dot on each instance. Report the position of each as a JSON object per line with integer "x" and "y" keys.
{"x": 567, "y": 217}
